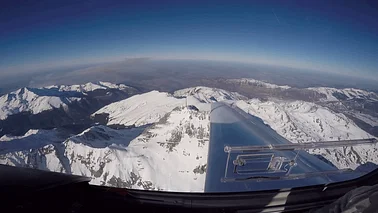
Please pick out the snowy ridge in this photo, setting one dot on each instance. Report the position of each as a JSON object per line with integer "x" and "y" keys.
{"x": 171, "y": 155}
{"x": 34, "y": 101}
{"x": 166, "y": 146}
{"x": 37, "y": 100}
{"x": 333, "y": 94}
{"x": 209, "y": 95}
{"x": 373, "y": 121}
{"x": 34, "y": 138}
{"x": 30, "y": 149}
{"x": 88, "y": 87}
{"x": 259, "y": 83}
{"x": 300, "y": 122}
{"x": 141, "y": 109}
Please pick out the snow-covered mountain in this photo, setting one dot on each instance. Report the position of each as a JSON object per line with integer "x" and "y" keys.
{"x": 333, "y": 94}
{"x": 149, "y": 107}
{"x": 359, "y": 105}
{"x": 254, "y": 82}
{"x": 34, "y": 138}
{"x": 330, "y": 94}
{"x": 300, "y": 121}
{"x": 57, "y": 106}
{"x": 141, "y": 109}
{"x": 88, "y": 87}
{"x": 162, "y": 140}
{"x": 209, "y": 95}
{"x": 170, "y": 155}
{"x": 37, "y": 100}
{"x": 30, "y": 150}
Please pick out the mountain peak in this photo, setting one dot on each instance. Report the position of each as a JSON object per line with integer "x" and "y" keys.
{"x": 334, "y": 94}
{"x": 259, "y": 83}
{"x": 169, "y": 130}
{"x": 37, "y": 100}
{"x": 209, "y": 95}
{"x": 90, "y": 86}
{"x": 140, "y": 109}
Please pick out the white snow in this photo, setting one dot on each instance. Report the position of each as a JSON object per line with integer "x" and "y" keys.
{"x": 209, "y": 95}
{"x": 89, "y": 87}
{"x": 327, "y": 91}
{"x": 37, "y": 100}
{"x": 164, "y": 157}
{"x": 26, "y": 99}
{"x": 27, "y": 151}
{"x": 372, "y": 121}
{"x": 141, "y": 109}
{"x": 300, "y": 122}
{"x": 259, "y": 83}
{"x": 192, "y": 100}
{"x": 168, "y": 154}
{"x": 168, "y": 161}
{"x": 348, "y": 92}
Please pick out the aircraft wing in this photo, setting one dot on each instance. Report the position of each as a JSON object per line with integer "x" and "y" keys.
{"x": 247, "y": 155}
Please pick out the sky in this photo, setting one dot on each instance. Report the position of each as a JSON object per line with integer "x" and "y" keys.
{"x": 328, "y": 36}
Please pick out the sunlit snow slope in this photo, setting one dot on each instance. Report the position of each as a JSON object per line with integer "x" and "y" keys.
{"x": 141, "y": 109}
{"x": 34, "y": 101}
{"x": 300, "y": 121}
{"x": 333, "y": 94}
{"x": 208, "y": 95}
{"x": 170, "y": 155}
{"x": 162, "y": 140}
{"x": 259, "y": 83}
{"x": 88, "y": 87}
{"x": 37, "y": 100}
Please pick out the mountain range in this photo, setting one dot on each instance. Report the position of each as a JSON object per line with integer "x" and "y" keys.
{"x": 158, "y": 140}
{"x": 57, "y": 106}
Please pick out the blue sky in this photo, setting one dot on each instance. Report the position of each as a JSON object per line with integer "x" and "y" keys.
{"x": 340, "y": 37}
